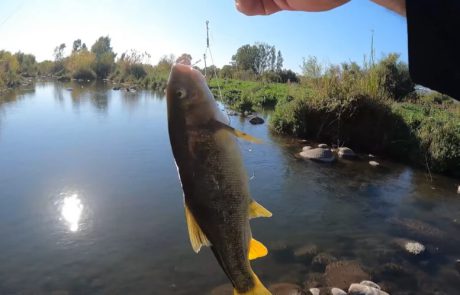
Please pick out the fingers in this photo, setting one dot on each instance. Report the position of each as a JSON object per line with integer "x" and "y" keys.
{"x": 265, "y": 7}
{"x": 257, "y": 7}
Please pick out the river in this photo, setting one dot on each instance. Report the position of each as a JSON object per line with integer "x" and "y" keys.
{"x": 90, "y": 203}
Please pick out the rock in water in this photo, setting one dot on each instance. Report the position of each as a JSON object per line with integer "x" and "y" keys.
{"x": 370, "y": 284}
{"x": 458, "y": 190}
{"x": 308, "y": 250}
{"x": 314, "y": 291}
{"x": 307, "y": 147}
{"x": 374, "y": 163}
{"x": 318, "y": 154}
{"x": 412, "y": 247}
{"x": 286, "y": 289}
{"x": 323, "y": 146}
{"x": 358, "y": 289}
{"x": 419, "y": 228}
{"x": 343, "y": 273}
{"x": 346, "y": 153}
{"x": 457, "y": 265}
{"x": 337, "y": 291}
{"x": 321, "y": 260}
{"x": 256, "y": 120}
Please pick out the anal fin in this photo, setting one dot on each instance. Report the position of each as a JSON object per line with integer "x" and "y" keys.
{"x": 257, "y": 210}
{"x": 197, "y": 237}
{"x": 256, "y": 249}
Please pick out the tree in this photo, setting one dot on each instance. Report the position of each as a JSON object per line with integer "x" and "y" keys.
{"x": 27, "y": 64}
{"x": 279, "y": 62}
{"x": 104, "y": 57}
{"x": 76, "y": 45}
{"x": 311, "y": 69}
{"x": 59, "y": 52}
{"x": 257, "y": 58}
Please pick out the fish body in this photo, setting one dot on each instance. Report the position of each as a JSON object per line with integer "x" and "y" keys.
{"x": 218, "y": 204}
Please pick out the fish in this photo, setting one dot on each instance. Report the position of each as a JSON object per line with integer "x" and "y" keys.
{"x": 218, "y": 204}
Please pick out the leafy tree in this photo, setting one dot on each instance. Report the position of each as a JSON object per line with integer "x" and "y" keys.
{"x": 79, "y": 64}
{"x": 59, "y": 52}
{"x": 104, "y": 57}
{"x": 257, "y": 58}
{"x": 279, "y": 61}
{"x": 27, "y": 64}
{"x": 311, "y": 69}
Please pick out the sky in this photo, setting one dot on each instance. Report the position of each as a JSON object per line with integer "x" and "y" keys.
{"x": 162, "y": 27}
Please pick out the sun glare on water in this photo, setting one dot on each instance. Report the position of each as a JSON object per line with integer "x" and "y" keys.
{"x": 71, "y": 211}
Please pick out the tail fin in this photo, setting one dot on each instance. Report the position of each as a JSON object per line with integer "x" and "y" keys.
{"x": 258, "y": 289}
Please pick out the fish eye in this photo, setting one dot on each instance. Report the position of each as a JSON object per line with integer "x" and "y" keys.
{"x": 181, "y": 93}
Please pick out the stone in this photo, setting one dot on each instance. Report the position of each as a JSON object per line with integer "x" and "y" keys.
{"x": 314, "y": 291}
{"x": 307, "y": 147}
{"x": 116, "y": 88}
{"x": 323, "y": 146}
{"x": 374, "y": 163}
{"x": 308, "y": 250}
{"x": 458, "y": 190}
{"x": 457, "y": 265}
{"x": 318, "y": 154}
{"x": 321, "y": 260}
{"x": 370, "y": 284}
{"x": 343, "y": 273}
{"x": 371, "y": 156}
{"x": 225, "y": 289}
{"x": 358, "y": 289}
{"x": 337, "y": 291}
{"x": 419, "y": 228}
{"x": 232, "y": 113}
{"x": 256, "y": 120}
{"x": 314, "y": 280}
{"x": 346, "y": 153}
{"x": 409, "y": 246}
{"x": 286, "y": 289}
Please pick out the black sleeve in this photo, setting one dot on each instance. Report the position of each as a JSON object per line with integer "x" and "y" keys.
{"x": 434, "y": 44}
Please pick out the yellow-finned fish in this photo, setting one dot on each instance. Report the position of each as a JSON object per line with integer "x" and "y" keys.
{"x": 218, "y": 205}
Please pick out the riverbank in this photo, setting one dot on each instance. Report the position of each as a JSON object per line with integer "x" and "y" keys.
{"x": 423, "y": 131}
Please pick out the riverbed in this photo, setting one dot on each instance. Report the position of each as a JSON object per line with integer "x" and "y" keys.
{"x": 90, "y": 203}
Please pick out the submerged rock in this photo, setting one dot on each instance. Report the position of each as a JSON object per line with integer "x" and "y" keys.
{"x": 232, "y": 113}
{"x": 318, "y": 154}
{"x": 458, "y": 190}
{"x": 321, "y": 260}
{"x": 323, "y": 146}
{"x": 418, "y": 228}
{"x": 374, "y": 163}
{"x": 314, "y": 291}
{"x": 346, "y": 153}
{"x": 307, "y": 147}
{"x": 359, "y": 289}
{"x": 314, "y": 280}
{"x": 286, "y": 289}
{"x": 116, "y": 88}
{"x": 256, "y": 120}
{"x": 457, "y": 265}
{"x": 307, "y": 251}
{"x": 343, "y": 273}
{"x": 409, "y": 246}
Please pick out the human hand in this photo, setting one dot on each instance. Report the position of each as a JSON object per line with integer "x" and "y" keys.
{"x": 264, "y": 7}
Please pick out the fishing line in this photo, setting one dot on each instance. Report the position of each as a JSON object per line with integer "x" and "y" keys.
{"x": 12, "y": 13}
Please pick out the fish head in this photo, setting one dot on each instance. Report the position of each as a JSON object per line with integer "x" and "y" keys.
{"x": 188, "y": 96}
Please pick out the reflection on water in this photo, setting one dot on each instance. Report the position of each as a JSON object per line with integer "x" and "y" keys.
{"x": 110, "y": 151}
{"x": 71, "y": 210}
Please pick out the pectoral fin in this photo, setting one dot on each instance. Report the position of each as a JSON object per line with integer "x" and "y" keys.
{"x": 257, "y": 210}
{"x": 197, "y": 237}
{"x": 236, "y": 132}
{"x": 256, "y": 249}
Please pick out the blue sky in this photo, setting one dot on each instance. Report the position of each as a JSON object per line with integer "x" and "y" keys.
{"x": 176, "y": 26}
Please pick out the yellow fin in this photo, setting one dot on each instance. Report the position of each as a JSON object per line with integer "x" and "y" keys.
{"x": 246, "y": 136}
{"x": 258, "y": 289}
{"x": 197, "y": 237}
{"x": 257, "y": 210}
{"x": 256, "y": 249}
{"x": 236, "y": 132}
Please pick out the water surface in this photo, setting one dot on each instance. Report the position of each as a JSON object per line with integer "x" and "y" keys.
{"x": 90, "y": 203}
